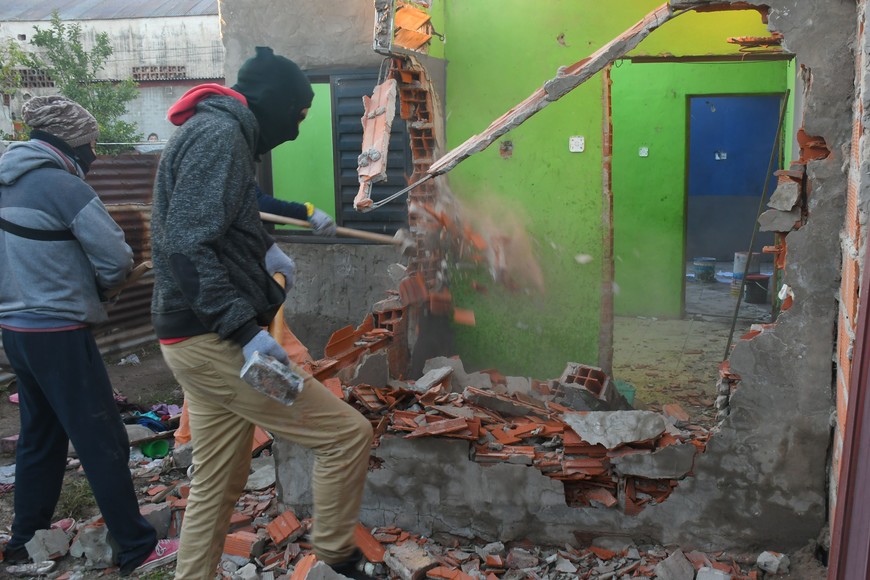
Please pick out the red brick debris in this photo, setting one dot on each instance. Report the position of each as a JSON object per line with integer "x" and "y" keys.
{"x": 278, "y": 546}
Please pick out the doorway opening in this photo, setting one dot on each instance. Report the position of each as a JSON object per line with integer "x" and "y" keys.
{"x": 732, "y": 140}
{"x": 692, "y": 143}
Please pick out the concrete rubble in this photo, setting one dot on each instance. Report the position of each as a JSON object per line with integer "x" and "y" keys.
{"x": 266, "y": 542}
{"x": 577, "y": 431}
{"x": 622, "y": 459}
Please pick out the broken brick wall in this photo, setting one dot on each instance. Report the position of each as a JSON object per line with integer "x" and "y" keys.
{"x": 852, "y": 243}
{"x": 762, "y": 480}
{"x": 336, "y": 286}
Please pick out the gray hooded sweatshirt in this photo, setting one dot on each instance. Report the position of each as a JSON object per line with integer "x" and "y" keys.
{"x": 207, "y": 241}
{"x": 44, "y": 284}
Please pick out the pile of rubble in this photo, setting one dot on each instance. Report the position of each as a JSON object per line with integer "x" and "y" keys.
{"x": 577, "y": 429}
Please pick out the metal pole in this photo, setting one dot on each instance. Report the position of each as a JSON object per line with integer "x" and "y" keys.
{"x": 773, "y": 152}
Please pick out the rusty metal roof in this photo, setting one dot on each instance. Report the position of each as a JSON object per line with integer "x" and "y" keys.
{"x": 34, "y": 10}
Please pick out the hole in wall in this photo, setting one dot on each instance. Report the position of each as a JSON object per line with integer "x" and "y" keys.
{"x": 680, "y": 284}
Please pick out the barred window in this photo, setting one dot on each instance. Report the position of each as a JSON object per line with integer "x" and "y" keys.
{"x": 32, "y": 78}
{"x": 159, "y": 72}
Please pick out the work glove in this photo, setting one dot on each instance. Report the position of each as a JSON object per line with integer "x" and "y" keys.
{"x": 265, "y": 345}
{"x": 321, "y": 223}
{"x": 277, "y": 262}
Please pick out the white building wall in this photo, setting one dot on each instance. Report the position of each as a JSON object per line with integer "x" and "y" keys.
{"x": 148, "y": 111}
{"x": 191, "y": 42}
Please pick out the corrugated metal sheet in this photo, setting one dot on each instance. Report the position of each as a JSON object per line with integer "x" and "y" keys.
{"x": 30, "y": 10}
{"x": 124, "y": 183}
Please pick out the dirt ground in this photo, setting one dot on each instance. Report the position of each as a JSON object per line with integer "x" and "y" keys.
{"x": 145, "y": 384}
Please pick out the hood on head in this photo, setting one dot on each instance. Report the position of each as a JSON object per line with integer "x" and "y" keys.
{"x": 24, "y": 157}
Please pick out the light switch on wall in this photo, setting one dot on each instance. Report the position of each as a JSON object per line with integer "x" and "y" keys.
{"x": 576, "y": 144}
{"x": 643, "y": 152}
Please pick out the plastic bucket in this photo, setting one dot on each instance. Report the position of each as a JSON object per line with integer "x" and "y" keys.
{"x": 705, "y": 269}
{"x": 155, "y": 449}
{"x": 755, "y": 290}
{"x": 740, "y": 266}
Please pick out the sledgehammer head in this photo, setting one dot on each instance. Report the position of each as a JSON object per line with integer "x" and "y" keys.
{"x": 272, "y": 378}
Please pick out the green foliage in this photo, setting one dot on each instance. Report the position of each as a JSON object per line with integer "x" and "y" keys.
{"x": 12, "y": 59}
{"x": 74, "y": 70}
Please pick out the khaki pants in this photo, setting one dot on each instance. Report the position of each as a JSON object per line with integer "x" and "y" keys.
{"x": 223, "y": 410}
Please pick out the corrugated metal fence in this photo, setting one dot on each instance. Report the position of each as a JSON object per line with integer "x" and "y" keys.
{"x": 124, "y": 183}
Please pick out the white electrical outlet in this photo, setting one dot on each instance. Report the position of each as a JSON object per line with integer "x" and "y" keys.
{"x": 576, "y": 144}
{"x": 643, "y": 152}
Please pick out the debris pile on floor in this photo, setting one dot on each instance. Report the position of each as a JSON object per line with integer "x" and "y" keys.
{"x": 267, "y": 542}
{"x": 578, "y": 429}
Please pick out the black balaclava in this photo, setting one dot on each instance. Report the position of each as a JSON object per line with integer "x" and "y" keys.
{"x": 277, "y": 90}
{"x": 83, "y": 155}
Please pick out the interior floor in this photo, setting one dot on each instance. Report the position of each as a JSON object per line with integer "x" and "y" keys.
{"x": 677, "y": 361}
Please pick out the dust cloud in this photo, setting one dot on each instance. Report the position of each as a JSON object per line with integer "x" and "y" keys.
{"x": 510, "y": 251}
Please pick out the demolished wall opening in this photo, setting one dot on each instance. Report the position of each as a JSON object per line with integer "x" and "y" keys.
{"x": 676, "y": 305}
{"x": 731, "y": 456}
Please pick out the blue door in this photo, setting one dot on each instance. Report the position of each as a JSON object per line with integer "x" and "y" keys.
{"x": 730, "y": 139}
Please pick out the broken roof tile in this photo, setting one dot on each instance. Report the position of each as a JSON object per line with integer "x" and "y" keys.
{"x": 300, "y": 572}
{"x": 464, "y": 316}
{"x": 439, "y": 428}
{"x": 334, "y": 386}
{"x": 370, "y": 547}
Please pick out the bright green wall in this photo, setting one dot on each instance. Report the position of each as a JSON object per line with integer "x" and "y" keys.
{"x": 499, "y": 52}
{"x": 649, "y": 109}
{"x": 436, "y": 11}
{"x": 302, "y": 170}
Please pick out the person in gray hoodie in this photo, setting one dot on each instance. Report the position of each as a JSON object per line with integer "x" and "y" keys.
{"x": 213, "y": 291}
{"x": 60, "y": 253}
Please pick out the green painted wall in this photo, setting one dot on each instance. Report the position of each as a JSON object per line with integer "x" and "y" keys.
{"x": 436, "y": 45}
{"x": 302, "y": 170}
{"x": 649, "y": 109}
{"x": 499, "y": 52}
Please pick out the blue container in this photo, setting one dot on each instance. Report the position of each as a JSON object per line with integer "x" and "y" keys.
{"x": 705, "y": 269}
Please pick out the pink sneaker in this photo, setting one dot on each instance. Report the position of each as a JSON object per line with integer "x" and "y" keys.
{"x": 164, "y": 552}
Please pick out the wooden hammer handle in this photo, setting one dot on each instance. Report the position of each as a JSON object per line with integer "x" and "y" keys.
{"x": 132, "y": 278}
{"x": 350, "y": 233}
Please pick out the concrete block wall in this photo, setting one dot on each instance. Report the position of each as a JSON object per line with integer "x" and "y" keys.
{"x": 336, "y": 286}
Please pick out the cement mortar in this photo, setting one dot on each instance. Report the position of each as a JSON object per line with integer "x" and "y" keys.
{"x": 762, "y": 481}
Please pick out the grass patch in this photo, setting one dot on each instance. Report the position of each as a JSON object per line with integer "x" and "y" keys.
{"x": 76, "y": 499}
